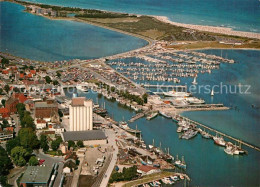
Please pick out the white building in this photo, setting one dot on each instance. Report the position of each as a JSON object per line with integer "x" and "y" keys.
{"x": 81, "y": 114}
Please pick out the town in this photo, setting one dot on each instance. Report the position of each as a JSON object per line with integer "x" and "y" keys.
{"x": 52, "y": 137}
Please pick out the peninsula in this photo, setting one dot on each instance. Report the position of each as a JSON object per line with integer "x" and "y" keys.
{"x": 151, "y": 28}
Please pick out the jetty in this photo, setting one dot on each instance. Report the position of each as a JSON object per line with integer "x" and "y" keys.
{"x": 153, "y": 177}
{"x": 221, "y": 133}
{"x": 136, "y": 117}
{"x": 202, "y": 107}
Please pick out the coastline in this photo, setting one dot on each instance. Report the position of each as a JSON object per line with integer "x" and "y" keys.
{"x": 213, "y": 29}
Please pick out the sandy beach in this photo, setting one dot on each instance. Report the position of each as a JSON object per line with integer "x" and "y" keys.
{"x": 220, "y": 30}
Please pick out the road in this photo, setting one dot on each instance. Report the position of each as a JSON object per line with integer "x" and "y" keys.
{"x": 111, "y": 141}
{"x": 76, "y": 173}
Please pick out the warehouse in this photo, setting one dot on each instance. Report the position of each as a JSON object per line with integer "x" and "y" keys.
{"x": 93, "y": 137}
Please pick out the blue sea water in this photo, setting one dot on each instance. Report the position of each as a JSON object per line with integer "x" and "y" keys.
{"x": 241, "y": 15}
{"x": 38, "y": 38}
{"x": 208, "y": 164}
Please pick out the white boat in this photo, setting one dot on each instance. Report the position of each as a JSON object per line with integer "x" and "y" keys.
{"x": 212, "y": 92}
{"x": 165, "y": 114}
{"x": 82, "y": 88}
{"x": 152, "y": 115}
{"x": 179, "y": 129}
{"x": 194, "y": 100}
{"x": 229, "y": 150}
{"x": 176, "y": 94}
{"x": 194, "y": 81}
{"x": 219, "y": 140}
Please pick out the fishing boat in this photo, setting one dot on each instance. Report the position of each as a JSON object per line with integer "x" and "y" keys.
{"x": 204, "y": 134}
{"x": 124, "y": 125}
{"x": 179, "y": 163}
{"x": 179, "y": 129}
{"x": 152, "y": 115}
{"x": 189, "y": 134}
{"x": 219, "y": 140}
{"x": 229, "y": 149}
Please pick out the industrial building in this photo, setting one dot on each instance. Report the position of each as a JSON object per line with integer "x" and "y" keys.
{"x": 93, "y": 137}
{"x": 37, "y": 176}
{"x": 81, "y": 114}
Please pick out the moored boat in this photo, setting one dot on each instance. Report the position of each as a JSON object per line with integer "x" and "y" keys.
{"x": 152, "y": 115}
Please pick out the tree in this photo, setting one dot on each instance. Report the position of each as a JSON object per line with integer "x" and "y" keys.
{"x": 12, "y": 144}
{"x": 28, "y": 138}
{"x": 7, "y": 88}
{"x": 44, "y": 143}
{"x": 33, "y": 161}
{"x": 27, "y": 120}
{"x": 55, "y": 145}
{"x": 60, "y": 113}
{"x": 145, "y": 96}
{"x": 1, "y": 91}
{"x": 58, "y": 74}
{"x": 17, "y": 90}
{"x": 19, "y": 155}
{"x": 5, "y": 162}
{"x": 80, "y": 143}
{"x": 48, "y": 80}
{"x": 4, "y": 61}
{"x": 55, "y": 82}
{"x": 3, "y": 102}
{"x": 71, "y": 144}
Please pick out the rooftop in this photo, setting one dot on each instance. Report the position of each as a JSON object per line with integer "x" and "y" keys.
{"x": 37, "y": 174}
{"x": 44, "y": 105}
{"x": 83, "y": 135}
{"x": 78, "y": 101}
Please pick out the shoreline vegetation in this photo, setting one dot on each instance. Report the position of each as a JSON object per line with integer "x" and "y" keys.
{"x": 178, "y": 36}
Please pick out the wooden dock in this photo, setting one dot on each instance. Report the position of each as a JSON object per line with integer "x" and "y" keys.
{"x": 221, "y": 133}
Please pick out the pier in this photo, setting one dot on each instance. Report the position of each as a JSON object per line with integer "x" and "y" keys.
{"x": 202, "y": 107}
{"x": 164, "y": 86}
{"x": 136, "y": 117}
{"x": 154, "y": 177}
{"x": 221, "y": 133}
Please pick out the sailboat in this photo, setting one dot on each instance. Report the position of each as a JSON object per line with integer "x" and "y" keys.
{"x": 194, "y": 80}
{"x": 151, "y": 146}
{"x": 212, "y": 92}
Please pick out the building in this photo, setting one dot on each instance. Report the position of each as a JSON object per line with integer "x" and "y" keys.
{"x": 81, "y": 114}
{"x": 37, "y": 176}
{"x": 6, "y": 134}
{"x": 4, "y": 113}
{"x": 93, "y": 137}
{"x": 11, "y": 103}
{"x": 46, "y": 110}
{"x": 40, "y": 123}
{"x": 146, "y": 170}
